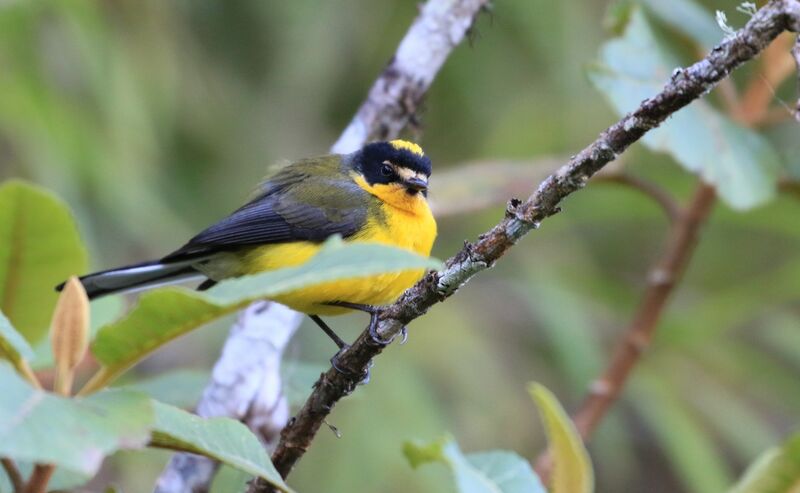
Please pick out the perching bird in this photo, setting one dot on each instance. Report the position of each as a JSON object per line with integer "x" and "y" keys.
{"x": 377, "y": 194}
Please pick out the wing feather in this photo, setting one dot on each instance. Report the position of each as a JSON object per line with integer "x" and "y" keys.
{"x": 305, "y": 202}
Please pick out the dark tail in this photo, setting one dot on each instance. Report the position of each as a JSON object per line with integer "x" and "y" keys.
{"x": 136, "y": 277}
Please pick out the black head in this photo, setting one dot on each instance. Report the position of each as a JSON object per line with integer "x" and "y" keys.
{"x": 398, "y": 161}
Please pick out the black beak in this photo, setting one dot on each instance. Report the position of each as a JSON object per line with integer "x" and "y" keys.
{"x": 417, "y": 184}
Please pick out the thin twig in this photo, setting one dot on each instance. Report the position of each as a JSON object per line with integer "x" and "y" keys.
{"x": 521, "y": 217}
{"x": 17, "y": 481}
{"x": 750, "y": 111}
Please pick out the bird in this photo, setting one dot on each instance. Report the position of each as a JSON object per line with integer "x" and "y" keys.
{"x": 377, "y": 194}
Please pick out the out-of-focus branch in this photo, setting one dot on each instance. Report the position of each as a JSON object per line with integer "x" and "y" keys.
{"x": 521, "y": 217}
{"x": 245, "y": 378}
{"x": 245, "y": 385}
{"x": 774, "y": 67}
{"x": 752, "y": 111}
{"x": 394, "y": 98}
{"x": 605, "y": 390}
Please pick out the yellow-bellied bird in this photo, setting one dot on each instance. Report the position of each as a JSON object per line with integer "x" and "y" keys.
{"x": 376, "y": 194}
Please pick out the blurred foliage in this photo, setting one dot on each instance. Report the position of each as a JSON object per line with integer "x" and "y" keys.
{"x": 572, "y": 468}
{"x": 153, "y": 119}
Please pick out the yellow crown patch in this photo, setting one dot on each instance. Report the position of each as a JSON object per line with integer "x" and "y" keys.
{"x": 409, "y": 146}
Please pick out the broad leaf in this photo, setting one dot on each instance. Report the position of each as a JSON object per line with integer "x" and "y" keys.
{"x": 76, "y": 434}
{"x": 572, "y": 468}
{"x": 488, "y": 472}
{"x": 39, "y": 248}
{"x": 223, "y": 439}
{"x": 737, "y": 161}
{"x": 776, "y": 471}
{"x": 164, "y": 314}
{"x": 13, "y": 346}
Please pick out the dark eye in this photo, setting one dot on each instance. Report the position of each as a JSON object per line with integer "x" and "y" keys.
{"x": 386, "y": 170}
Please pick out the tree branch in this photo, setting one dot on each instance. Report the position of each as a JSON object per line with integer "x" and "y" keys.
{"x": 395, "y": 96}
{"x": 751, "y": 110}
{"x": 604, "y": 391}
{"x": 685, "y": 86}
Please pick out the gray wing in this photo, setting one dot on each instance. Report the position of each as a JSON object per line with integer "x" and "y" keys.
{"x": 296, "y": 205}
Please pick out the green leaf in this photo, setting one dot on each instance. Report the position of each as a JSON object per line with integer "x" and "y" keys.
{"x": 737, "y": 161}
{"x": 76, "y": 434}
{"x": 776, "y": 471}
{"x": 572, "y": 468}
{"x": 223, "y": 439}
{"x": 488, "y": 472}
{"x": 164, "y": 314}
{"x": 180, "y": 388}
{"x": 689, "y": 18}
{"x": 13, "y": 346}
{"x": 39, "y": 248}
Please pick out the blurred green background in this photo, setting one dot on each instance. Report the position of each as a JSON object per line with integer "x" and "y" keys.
{"x": 152, "y": 119}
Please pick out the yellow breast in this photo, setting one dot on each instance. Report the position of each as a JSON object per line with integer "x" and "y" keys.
{"x": 406, "y": 222}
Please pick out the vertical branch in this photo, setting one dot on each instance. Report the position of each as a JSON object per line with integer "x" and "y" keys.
{"x": 245, "y": 384}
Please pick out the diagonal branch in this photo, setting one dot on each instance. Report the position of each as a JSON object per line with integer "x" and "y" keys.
{"x": 685, "y": 86}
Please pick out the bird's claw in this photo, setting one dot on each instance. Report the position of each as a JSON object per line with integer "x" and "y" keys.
{"x": 380, "y": 341}
{"x": 363, "y": 378}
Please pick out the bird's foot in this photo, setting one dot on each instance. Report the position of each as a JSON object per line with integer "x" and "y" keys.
{"x": 363, "y": 377}
{"x": 376, "y": 337}
{"x": 373, "y": 322}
